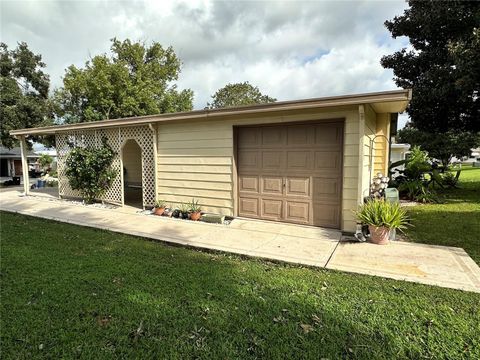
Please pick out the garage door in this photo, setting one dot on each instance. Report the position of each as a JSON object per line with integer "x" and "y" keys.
{"x": 291, "y": 173}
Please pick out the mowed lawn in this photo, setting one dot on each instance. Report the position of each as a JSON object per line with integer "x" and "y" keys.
{"x": 456, "y": 221}
{"x": 74, "y": 292}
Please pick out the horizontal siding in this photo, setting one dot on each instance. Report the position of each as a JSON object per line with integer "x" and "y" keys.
{"x": 187, "y": 184}
{"x": 195, "y": 192}
{"x": 204, "y": 169}
{"x": 351, "y": 149}
{"x": 194, "y": 176}
{"x": 381, "y": 145}
{"x": 368, "y": 161}
{"x": 196, "y": 144}
{"x": 181, "y": 160}
{"x": 351, "y": 183}
{"x": 197, "y": 135}
{"x": 195, "y": 161}
{"x": 193, "y": 128}
{"x": 198, "y": 152}
{"x": 350, "y": 171}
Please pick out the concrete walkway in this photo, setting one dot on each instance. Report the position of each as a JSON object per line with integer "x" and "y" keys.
{"x": 434, "y": 265}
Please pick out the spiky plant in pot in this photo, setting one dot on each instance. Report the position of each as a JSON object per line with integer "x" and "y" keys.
{"x": 382, "y": 216}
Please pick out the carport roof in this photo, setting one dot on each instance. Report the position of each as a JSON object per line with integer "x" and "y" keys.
{"x": 382, "y": 102}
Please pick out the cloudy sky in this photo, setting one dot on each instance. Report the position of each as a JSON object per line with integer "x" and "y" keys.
{"x": 289, "y": 49}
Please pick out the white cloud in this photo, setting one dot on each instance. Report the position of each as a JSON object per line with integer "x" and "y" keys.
{"x": 290, "y": 49}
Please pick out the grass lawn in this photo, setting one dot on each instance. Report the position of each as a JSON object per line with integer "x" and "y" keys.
{"x": 456, "y": 222}
{"x": 74, "y": 292}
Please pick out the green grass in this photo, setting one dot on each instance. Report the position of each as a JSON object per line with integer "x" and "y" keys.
{"x": 75, "y": 292}
{"x": 456, "y": 222}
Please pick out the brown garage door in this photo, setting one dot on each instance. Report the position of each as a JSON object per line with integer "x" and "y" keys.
{"x": 291, "y": 173}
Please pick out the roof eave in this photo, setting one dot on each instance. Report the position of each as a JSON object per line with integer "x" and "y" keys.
{"x": 398, "y": 99}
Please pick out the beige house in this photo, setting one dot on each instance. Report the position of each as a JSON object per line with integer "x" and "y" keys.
{"x": 307, "y": 161}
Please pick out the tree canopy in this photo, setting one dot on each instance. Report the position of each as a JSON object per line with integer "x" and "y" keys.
{"x": 443, "y": 66}
{"x": 238, "y": 94}
{"x": 23, "y": 91}
{"x": 133, "y": 80}
{"x": 441, "y": 146}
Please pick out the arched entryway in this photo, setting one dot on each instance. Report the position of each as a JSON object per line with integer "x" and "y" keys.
{"x": 132, "y": 173}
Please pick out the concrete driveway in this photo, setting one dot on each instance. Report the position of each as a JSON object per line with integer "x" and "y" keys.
{"x": 434, "y": 265}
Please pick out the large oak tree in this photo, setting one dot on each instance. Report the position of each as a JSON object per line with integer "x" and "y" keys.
{"x": 134, "y": 80}
{"x": 443, "y": 66}
{"x": 443, "y": 69}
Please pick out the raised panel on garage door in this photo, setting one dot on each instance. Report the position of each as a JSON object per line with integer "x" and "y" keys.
{"x": 291, "y": 172}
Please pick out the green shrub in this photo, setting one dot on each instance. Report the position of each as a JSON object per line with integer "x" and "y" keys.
{"x": 417, "y": 190}
{"x": 53, "y": 173}
{"x": 88, "y": 170}
{"x": 449, "y": 179}
{"x": 418, "y": 164}
{"x": 382, "y": 213}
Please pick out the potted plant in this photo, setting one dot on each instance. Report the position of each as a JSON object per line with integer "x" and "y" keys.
{"x": 195, "y": 210}
{"x": 382, "y": 216}
{"x": 183, "y": 211}
{"x": 159, "y": 208}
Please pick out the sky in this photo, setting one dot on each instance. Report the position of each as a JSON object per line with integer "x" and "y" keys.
{"x": 289, "y": 49}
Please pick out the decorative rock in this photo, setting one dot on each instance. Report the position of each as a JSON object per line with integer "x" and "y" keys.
{"x": 213, "y": 218}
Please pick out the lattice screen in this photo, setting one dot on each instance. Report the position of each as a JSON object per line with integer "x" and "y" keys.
{"x": 117, "y": 138}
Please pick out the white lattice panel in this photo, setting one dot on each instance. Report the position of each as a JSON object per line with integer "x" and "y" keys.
{"x": 116, "y": 138}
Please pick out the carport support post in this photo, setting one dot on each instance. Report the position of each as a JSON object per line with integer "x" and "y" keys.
{"x": 23, "y": 148}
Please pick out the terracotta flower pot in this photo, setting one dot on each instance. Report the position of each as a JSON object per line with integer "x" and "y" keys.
{"x": 195, "y": 216}
{"x": 159, "y": 211}
{"x": 379, "y": 235}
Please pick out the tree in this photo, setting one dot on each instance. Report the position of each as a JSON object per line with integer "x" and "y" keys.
{"x": 23, "y": 91}
{"x": 134, "y": 80}
{"x": 45, "y": 161}
{"x": 237, "y": 95}
{"x": 443, "y": 66}
{"x": 441, "y": 146}
{"x": 89, "y": 171}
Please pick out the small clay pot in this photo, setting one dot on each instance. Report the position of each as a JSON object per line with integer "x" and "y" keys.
{"x": 379, "y": 235}
{"x": 195, "y": 215}
{"x": 159, "y": 211}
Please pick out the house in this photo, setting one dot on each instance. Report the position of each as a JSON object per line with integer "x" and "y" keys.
{"x": 398, "y": 152}
{"x": 11, "y": 161}
{"x": 306, "y": 161}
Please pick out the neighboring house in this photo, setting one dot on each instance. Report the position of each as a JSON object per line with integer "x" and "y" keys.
{"x": 306, "y": 161}
{"x": 11, "y": 161}
{"x": 473, "y": 159}
{"x": 398, "y": 152}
